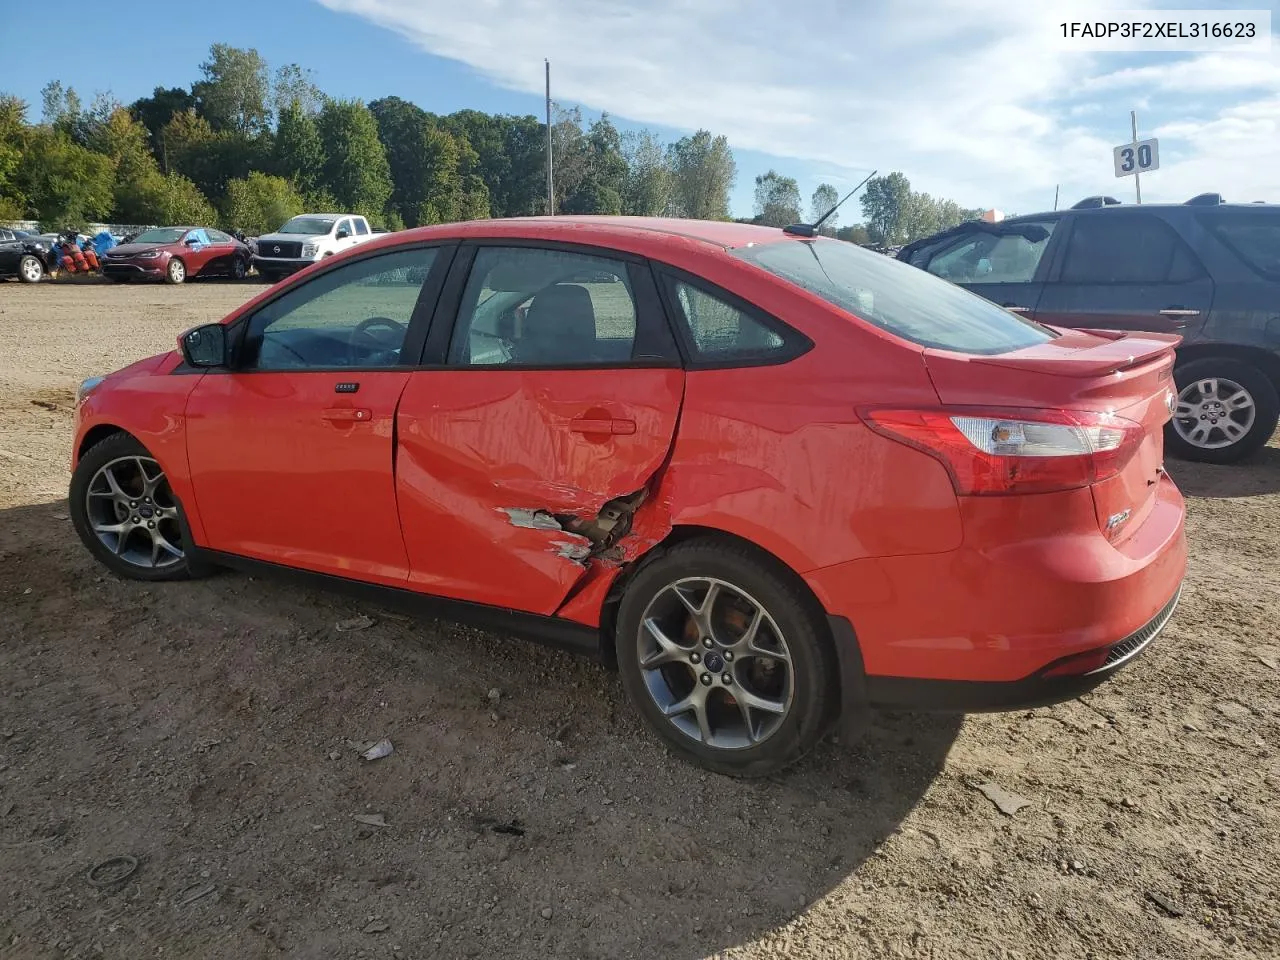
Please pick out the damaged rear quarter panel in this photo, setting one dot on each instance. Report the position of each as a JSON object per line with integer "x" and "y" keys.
{"x": 489, "y": 458}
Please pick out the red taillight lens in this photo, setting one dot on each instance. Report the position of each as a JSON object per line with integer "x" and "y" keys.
{"x": 1015, "y": 451}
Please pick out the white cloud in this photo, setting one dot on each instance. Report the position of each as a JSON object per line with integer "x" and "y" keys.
{"x": 977, "y": 100}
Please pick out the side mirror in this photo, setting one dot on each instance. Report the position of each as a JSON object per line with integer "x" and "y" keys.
{"x": 342, "y": 235}
{"x": 205, "y": 346}
{"x": 191, "y": 241}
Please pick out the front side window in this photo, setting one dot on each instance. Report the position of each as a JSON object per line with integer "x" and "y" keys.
{"x": 353, "y": 316}
{"x": 897, "y": 297}
{"x": 1123, "y": 247}
{"x": 526, "y": 305}
{"x": 991, "y": 256}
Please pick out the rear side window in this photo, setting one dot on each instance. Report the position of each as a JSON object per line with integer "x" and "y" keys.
{"x": 994, "y": 256}
{"x": 362, "y": 228}
{"x": 1252, "y": 235}
{"x": 719, "y": 331}
{"x": 217, "y": 236}
{"x": 896, "y": 297}
{"x": 1127, "y": 248}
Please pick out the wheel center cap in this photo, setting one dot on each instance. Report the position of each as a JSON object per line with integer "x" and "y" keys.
{"x": 146, "y": 512}
{"x": 714, "y": 662}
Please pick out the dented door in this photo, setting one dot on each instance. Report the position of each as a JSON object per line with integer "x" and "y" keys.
{"x": 498, "y": 467}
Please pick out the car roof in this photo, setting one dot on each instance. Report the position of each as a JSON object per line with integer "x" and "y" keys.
{"x": 607, "y": 231}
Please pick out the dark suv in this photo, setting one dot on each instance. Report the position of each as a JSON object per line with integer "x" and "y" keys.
{"x": 1207, "y": 270}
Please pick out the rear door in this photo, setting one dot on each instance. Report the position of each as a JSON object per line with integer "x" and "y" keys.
{"x": 1005, "y": 263}
{"x": 1126, "y": 270}
{"x": 556, "y": 390}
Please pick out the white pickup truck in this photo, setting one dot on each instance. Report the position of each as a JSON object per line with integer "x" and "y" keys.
{"x": 308, "y": 238}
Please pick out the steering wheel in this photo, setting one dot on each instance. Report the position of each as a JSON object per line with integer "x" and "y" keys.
{"x": 364, "y": 340}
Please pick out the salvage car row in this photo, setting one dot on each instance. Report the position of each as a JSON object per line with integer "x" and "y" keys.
{"x": 175, "y": 254}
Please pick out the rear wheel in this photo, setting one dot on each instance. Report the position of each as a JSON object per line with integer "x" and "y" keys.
{"x": 124, "y": 511}
{"x": 1227, "y": 409}
{"x": 177, "y": 271}
{"x": 726, "y": 658}
{"x": 30, "y": 269}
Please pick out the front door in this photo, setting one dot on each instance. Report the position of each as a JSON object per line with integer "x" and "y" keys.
{"x": 559, "y": 392}
{"x": 1127, "y": 270}
{"x": 291, "y": 450}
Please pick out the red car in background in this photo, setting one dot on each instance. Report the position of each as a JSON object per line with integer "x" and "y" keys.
{"x": 775, "y": 478}
{"x": 173, "y": 254}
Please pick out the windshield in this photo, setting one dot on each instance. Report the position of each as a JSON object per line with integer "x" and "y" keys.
{"x": 160, "y": 235}
{"x": 896, "y": 297}
{"x": 308, "y": 225}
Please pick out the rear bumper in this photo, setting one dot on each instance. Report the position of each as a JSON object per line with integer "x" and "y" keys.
{"x": 1037, "y": 690}
{"x": 978, "y": 628}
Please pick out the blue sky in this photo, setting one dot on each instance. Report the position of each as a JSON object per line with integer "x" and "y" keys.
{"x": 977, "y": 100}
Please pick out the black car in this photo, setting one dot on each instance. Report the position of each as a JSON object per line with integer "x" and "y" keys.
{"x": 25, "y": 256}
{"x": 1206, "y": 270}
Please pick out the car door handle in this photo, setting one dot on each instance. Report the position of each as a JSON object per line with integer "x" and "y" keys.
{"x": 609, "y": 425}
{"x": 348, "y": 415}
{"x": 1014, "y": 308}
{"x": 1179, "y": 312}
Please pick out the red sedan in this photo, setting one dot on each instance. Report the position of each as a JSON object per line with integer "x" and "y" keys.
{"x": 173, "y": 254}
{"x": 777, "y": 479}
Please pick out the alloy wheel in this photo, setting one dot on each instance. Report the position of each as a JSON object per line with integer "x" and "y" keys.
{"x": 134, "y": 514}
{"x": 177, "y": 271}
{"x": 1213, "y": 413}
{"x": 32, "y": 271}
{"x": 715, "y": 663}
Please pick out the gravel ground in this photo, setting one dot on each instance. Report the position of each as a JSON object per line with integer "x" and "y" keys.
{"x": 204, "y": 729}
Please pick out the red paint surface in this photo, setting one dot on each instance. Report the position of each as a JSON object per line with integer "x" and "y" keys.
{"x": 936, "y": 584}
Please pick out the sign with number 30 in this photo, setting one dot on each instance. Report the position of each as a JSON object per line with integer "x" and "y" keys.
{"x": 1140, "y": 157}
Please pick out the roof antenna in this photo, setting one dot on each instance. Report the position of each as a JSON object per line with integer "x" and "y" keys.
{"x": 811, "y": 230}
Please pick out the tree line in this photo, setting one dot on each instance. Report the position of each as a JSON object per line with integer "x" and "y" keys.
{"x": 247, "y": 147}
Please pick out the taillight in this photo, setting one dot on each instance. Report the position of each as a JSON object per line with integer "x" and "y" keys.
{"x": 1015, "y": 451}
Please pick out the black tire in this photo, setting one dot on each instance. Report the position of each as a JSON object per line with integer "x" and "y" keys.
{"x": 176, "y": 272}
{"x": 116, "y": 447}
{"x": 239, "y": 269}
{"x": 1253, "y": 381}
{"x": 814, "y": 670}
{"x": 30, "y": 269}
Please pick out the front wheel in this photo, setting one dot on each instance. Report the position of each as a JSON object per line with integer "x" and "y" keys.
{"x": 177, "y": 271}
{"x": 1226, "y": 410}
{"x": 726, "y": 658}
{"x": 239, "y": 269}
{"x": 124, "y": 511}
{"x": 30, "y": 269}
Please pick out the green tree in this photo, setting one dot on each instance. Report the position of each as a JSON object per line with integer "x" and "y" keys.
{"x": 260, "y": 203}
{"x": 234, "y": 93}
{"x": 13, "y": 121}
{"x": 61, "y": 106}
{"x": 209, "y": 158}
{"x": 356, "y": 170}
{"x": 510, "y": 159}
{"x": 777, "y": 200}
{"x": 299, "y": 154}
{"x": 648, "y": 183}
{"x": 602, "y": 179}
{"x": 62, "y": 183}
{"x": 138, "y": 181}
{"x": 702, "y": 174}
{"x": 435, "y": 174}
{"x": 884, "y": 203}
{"x": 182, "y": 203}
{"x": 295, "y": 86}
{"x": 824, "y": 198}
{"x": 855, "y": 233}
{"x": 155, "y": 112}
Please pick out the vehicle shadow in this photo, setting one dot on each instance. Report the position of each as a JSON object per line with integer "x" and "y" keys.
{"x": 205, "y": 728}
{"x": 1254, "y": 476}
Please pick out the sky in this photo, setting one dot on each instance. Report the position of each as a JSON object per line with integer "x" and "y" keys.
{"x": 978, "y": 101}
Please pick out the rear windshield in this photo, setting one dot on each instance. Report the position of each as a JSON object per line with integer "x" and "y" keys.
{"x": 1254, "y": 235}
{"x": 896, "y": 297}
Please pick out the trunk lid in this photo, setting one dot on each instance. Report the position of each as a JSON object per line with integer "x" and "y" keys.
{"x": 1126, "y": 374}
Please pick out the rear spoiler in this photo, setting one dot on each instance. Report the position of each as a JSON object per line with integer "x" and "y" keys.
{"x": 1118, "y": 351}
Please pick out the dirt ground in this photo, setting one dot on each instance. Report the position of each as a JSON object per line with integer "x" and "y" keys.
{"x": 203, "y": 729}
